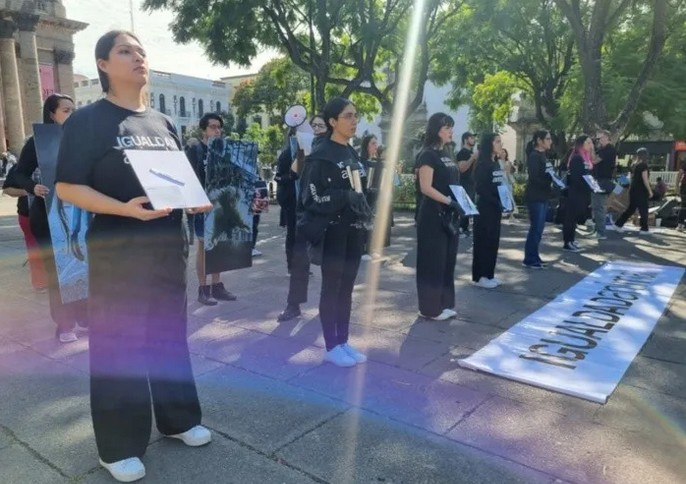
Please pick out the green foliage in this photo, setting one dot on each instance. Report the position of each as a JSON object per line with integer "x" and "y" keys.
{"x": 404, "y": 195}
{"x": 268, "y": 140}
{"x": 492, "y": 101}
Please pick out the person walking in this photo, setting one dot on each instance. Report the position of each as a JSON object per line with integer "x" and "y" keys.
{"x": 487, "y": 177}
{"x": 137, "y": 267}
{"x": 603, "y": 170}
{"x": 299, "y": 267}
{"x": 70, "y": 318}
{"x": 211, "y": 125}
{"x": 437, "y": 223}
{"x": 640, "y": 192}
{"x": 578, "y": 191}
{"x": 465, "y": 159}
{"x": 537, "y": 195}
{"x": 334, "y": 216}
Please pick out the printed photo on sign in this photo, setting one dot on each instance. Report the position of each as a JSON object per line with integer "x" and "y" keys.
{"x": 68, "y": 224}
{"x": 167, "y": 178}
{"x": 231, "y": 177}
{"x": 463, "y": 199}
{"x": 593, "y": 183}
{"x": 506, "y": 200}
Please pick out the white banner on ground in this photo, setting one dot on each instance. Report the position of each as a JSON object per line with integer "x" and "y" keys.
{"x": 582, "y": 342}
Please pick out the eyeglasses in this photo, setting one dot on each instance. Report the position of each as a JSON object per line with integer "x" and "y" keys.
{"x": 349, "y": 116}
{"x": 318, "y": 126}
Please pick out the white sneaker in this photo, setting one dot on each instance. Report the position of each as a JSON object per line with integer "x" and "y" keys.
{"x": 127, "y": 470}
{"x": 194, "y": 437}
{"x": 575, "y": 244}
{"x": 353, "y": 353}
{"x": 366, "y": 257}
{"x": 339, "y": 357}
{"x": 644, "y": 232}
{"x": 68, "y": 337}
{"x": 619, "y": 229}
{"x": 497, "y": 281}
{"x": 256, "y": 253}
{"x": 486, "y": 283}
{"x": 451, "y": 312}
{"x": 445, "y": 315}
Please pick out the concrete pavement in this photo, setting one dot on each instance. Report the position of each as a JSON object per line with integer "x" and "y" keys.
{"x": 410, "y": 415}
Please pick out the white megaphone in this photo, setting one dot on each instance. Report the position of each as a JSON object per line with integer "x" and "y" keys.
{"x": 295, "y": 116}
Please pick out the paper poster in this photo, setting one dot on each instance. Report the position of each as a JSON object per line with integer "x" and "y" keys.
{"x": 506, "y": 200}
{"x": 231, "y": 176}
{"x": 593, "y": 183}
{"x": 68, "y": 224}
{"x": 463, "y": 200}
{"x": 167, "y": 178}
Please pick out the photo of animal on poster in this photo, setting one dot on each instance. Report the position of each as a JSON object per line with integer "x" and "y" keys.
{"x": 68, "y": 224}
{"x": 231, "y": 174}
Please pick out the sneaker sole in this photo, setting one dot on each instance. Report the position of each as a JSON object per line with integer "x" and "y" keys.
{"x": 135, "y": 477}
{"x": 198, "y": 443}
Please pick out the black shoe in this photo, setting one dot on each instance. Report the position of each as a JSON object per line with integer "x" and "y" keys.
{"x": 291, "y": 312}
{"x": 220, "y": 293}
{"x": 204, "y": 296}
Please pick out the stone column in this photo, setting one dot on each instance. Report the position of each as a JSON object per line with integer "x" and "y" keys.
{"x": 31, "y": 87}
{"x": 65, "y": 72}
{"x": 14, "y": 114}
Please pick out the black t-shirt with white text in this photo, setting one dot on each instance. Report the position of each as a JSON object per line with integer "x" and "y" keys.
{"x": 92, "y": 154}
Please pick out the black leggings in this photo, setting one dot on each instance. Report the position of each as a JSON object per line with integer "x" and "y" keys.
{"x": 637, "y": 201}
{"x": 486, "y": 242}
{"x": 340, "y": 263}
{"x": 138, "y": 345}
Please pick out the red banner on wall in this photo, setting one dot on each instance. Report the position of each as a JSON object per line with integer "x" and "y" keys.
{"x": 47, "y": 79}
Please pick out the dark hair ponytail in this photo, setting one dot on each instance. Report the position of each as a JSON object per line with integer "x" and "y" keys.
{"x": 51, "y": 104}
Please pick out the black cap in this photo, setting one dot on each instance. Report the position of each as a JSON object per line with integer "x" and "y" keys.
{"x": 467, "y": 134}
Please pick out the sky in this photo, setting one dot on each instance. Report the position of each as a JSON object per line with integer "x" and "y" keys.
{"x": 154, "y": 33}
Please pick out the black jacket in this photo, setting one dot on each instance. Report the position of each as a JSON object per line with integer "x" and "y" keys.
{"x": 285, "y": 180}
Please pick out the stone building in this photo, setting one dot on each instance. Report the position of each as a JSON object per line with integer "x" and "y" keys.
{"x": 36, "y": 54}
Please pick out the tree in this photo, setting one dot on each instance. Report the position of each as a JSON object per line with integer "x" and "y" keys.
{"x": 591, "y": 22}
{"x": 355, "y": 45}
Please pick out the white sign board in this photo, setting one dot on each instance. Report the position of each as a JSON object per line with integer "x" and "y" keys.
{"x": 463, "y": 199}
{"x": 582, "y": 342}
{"x": 167, "y": 178}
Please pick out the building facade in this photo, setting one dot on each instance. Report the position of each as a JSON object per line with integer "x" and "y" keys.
{"x": 184, "y": 98}
{"x": 36, "y": 54}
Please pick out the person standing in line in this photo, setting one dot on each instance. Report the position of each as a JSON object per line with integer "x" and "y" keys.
{"x": 285, "y": 191}
{"x": 211, "y": 125}
{"x": 508, "y": 179}
{"x": 70, "y": 318}
{"x": 437, "y": 223}
{"x": 39, "y": 279}
{"x": 137, "y": 267}
{"x": 603, "y": 171}
{"x": 487, "y": 177}
{"x": 333, "y": 219}
{"x": 640, "y": 193}
{"x": 370, "y": 155}
{"x": 578, "y": 191}
{"x": 681, "y": 188}
{"x": 299, "y": 270}
{"x": 465, "y": 163}
{"x": 537, "y": 196}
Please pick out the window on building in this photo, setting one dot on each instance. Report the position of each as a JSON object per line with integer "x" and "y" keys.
{"x": 176, "y": 104}
{"x": 219, "y": 107}
{"x": 182, "y": 106}
{"x": 152, "y": 100}
{"x": 163, "y": 106}
{"x": 84, "y": 83}
{"x": 201, "y": 109}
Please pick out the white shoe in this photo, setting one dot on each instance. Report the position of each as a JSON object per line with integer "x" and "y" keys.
{"x": 353, "y": 353}
{"x": 339, "y": 357}
{"x": 127, "y": 470}
{"x": 619, "y": 229}
{"x": 497, "y": 281}
{"x": 451, "y": 312}
{"x": 644, "y": 232}
{"x": 575, "y": 244}
{"x": 444, "y": 316}
{"x": 486, "y": 283}
{"x": 194, "y": 437}
{"x": 366, "y": 257}
{"x": 256, "y": 253}
{"x": 68, "y": 337}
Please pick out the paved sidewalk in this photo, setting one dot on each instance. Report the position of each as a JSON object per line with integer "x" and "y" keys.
{"x": 410, "y": 415}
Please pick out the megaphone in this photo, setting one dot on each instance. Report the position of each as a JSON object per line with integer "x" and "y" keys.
{"x": 295, "y": 116}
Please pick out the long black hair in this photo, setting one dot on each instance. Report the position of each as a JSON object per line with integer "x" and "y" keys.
{"x": 51, "y": 105}
{"x": 333, "y": 109}
{"x": 540, "y": 134}
{"x": 102, "y": 51}
{"x": 435, "y": 123}
{"x": 364, "y": 146}
{"x": 486, "y": 147}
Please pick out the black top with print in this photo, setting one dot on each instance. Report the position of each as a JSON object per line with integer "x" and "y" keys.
{"x": 92, "y": 153}
{"x": 487, "y": 177}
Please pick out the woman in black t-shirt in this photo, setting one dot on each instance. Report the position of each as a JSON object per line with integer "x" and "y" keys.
{"x": 437, "y": 223}
{"x": 68, "y": 317}
{"x": 640, "y": 193}
{"x": 578, "y": 191}
{"x": 137, "y": 267}
{"x": 487, "y": 177}
{"x": 333, "y": 219}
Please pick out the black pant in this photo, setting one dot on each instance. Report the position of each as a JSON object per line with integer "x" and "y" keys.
{"x": 291, "y": 219}
{"x": 255, "y": 229}
{"x": 436, "y": 254}
{"x": 486, "y": 242}
{"x": 575, "y": 209}
{"x": 636, "y": 201}
{"x": 138, "y": 343}
{"x": 340, "y": 262}
{"x": 300, "y": 270}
